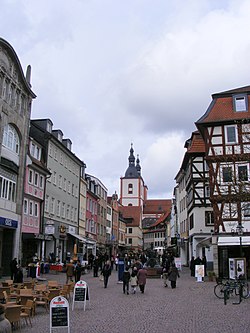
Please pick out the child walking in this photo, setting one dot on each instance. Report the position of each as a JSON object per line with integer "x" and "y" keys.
{"x": 133, "y": 282}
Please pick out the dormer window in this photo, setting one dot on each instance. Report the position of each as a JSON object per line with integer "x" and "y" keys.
{"x": 240, "y": 103}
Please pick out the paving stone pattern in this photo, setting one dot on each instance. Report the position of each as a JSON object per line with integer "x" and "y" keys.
{"x": 190, "y": 308}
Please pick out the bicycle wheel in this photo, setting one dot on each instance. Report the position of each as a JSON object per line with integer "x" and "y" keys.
{"x": 245, "y": 290}
{"x": 219, "y": 290}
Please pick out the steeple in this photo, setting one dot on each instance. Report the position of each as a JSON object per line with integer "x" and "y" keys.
{"x": 131, "y": 170}
{"x": 138, "y": 167}
{"x": 131, "y": 157}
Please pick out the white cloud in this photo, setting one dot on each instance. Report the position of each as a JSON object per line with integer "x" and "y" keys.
{"x": 110, "y": 72}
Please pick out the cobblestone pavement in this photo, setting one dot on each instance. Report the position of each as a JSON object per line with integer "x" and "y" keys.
{"x": 191, "y": 307}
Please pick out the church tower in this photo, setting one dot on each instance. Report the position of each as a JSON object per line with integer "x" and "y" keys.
{"x": 133, "y": 191}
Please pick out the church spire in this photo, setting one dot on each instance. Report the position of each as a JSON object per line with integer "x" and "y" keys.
{"x": 131, "y": 171}
{"x": 131, "y": 158}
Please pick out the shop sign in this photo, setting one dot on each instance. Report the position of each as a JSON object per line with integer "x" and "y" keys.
{"x": 8, "y": 222}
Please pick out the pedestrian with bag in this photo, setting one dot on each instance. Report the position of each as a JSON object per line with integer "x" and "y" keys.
{"x": 172, "y": 276}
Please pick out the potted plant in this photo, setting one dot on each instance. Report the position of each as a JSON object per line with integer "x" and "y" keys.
{"x": 211, "y": 276}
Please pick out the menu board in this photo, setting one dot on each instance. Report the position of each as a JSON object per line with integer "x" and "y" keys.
{"x": 59, "y": 313}
{"x": 59, "y": 317}
{"x": 80, "y": 294}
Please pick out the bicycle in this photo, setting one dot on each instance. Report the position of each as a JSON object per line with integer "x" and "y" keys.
{"x": 238, "y": 286}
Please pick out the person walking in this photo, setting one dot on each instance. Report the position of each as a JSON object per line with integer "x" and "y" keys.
{"x": 78, "y": 271}
{"x": 165, "y": 270}
{"x": 142, "y": 278}
{"x": 69, "y": 271}
{"x": 192, "y": 266}
{"x": 106, "y": 272}
{"x": 95, "y": 266}
{"x": 125, "y": 279}
{"x": 172, "y": 276}
{"x": 13, "y": 268}
{"x": 133, "y": 281}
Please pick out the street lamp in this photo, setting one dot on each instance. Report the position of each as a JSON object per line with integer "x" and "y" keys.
{"x": 239, "y": 230}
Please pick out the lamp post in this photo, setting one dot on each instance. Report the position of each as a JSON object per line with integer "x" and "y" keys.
{"x": 239, "y": 230}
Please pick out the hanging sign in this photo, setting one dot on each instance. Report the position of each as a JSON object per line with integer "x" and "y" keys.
{"x": 59, "y": 313}
{"x": 81, "y": 293}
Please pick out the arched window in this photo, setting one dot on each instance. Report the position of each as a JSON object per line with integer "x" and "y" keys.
{"x": 130, "y": 188}
{"x": 11, "y": 139}
{"x": 130, "y": 204}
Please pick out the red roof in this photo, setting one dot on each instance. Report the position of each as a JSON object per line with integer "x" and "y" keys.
{"x": 221, "y": 108}
{"x": 197, "y": 144}
{"x": 157, "y": 206}
{"x": 131, "y": 212}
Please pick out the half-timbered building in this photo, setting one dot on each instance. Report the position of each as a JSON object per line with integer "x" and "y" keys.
{"x": 195, "y": 213}
{"x": 225, "y": 128}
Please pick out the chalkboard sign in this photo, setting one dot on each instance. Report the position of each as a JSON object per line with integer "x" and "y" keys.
{"x": 59, "y": 317}
{"x": 81, "y": 293}
{"x": 59, "y": 313}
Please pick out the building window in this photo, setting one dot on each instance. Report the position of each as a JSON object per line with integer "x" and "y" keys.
{"x": 246, "y": 210}
{"x": 231, "y": 134}
{"x": 36, "y": 179}
{"x": 130, "y": 188}
{"x": 191, "y": 221}
{"x": 7, "y": 189}
{"x": 60, "y": 181}
{"x": 130, "y": 230}
{"x": 52, "y": 210}
{"x": 11, "y": 139}
{"x": 54, "y": 178}
{"x": 31, "y": 176}
{"x": 240, "y": 103}
{"x": 58, "y": 208}
{"x": 242, "y": 173}
{"x": 63, "y": 209}
{"x": 25, "y": 207}
{"x": 46, "y": 203}
{"x": 227, "y": 174}
{"x": 31, "y": 208}
{"x": 209, "y": 218}
{"x": 36, "y": 209}
{"x": 130, "y": 241}
{"x": 41, "y": 182}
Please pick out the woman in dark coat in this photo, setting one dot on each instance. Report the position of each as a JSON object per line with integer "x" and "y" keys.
{"x": 192, "y": 266}
{"x": 142, "y": 277}
{"x": 106, "y": 272}
{"x": 172, "y": 276}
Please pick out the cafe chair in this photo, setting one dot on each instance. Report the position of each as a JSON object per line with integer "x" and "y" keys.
{"x": 8, "y": 299}
{"x": 13, "y": 314}
{"x": 53, "y": 293}
{"x": 53, "y": 284}
{"x": 65, "y": 291}
{"x": 42, "y": 300}
{"x": 27, "y": 311}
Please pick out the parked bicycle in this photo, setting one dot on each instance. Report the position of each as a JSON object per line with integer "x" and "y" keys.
{"x": 225, "y": 289}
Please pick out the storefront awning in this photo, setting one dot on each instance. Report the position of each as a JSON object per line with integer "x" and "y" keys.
{"x": 235, "y": 240}
{"x": 82, "y": 239}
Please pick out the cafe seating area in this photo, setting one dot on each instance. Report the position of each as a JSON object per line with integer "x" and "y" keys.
{"x": 23, "y": 301}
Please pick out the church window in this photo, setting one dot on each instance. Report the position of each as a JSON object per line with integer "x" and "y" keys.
{"x": 130, "y": 188}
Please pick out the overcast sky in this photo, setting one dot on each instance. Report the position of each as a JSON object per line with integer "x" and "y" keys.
{"x": 111, "y": 72}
